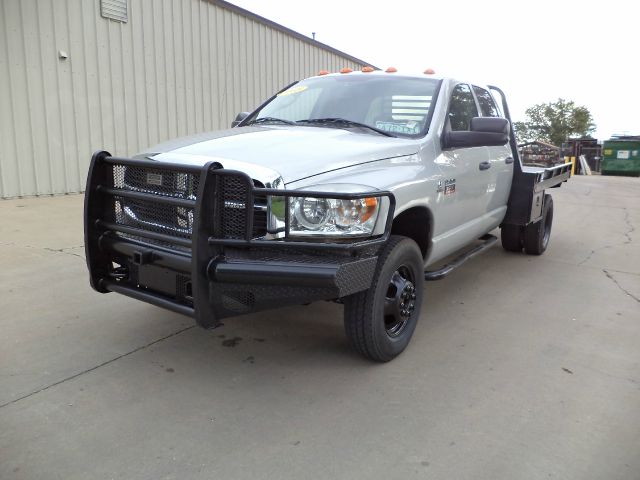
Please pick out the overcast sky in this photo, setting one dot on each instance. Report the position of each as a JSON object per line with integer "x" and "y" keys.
{"x": 536, "y": 51}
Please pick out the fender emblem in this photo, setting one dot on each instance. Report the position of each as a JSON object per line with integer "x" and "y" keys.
{"x": 448, "y": 186}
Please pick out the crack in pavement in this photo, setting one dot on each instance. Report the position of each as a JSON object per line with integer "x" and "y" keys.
{"x": 64, "y": 250}
{"x": 609, "y": 276}
{"x": 48, "y": 249}
{"x": 76, "y": 375}
{"x": 593, "y": 267}
{"x": 627, "y": 234}
{"x": 610, "y": 375}
{"x": 613, "y": 207}
{"x": 588, "y": 257}
{"x": 627, "y": 220}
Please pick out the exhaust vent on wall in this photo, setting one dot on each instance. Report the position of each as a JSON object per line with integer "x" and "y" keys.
{"x": 114, "y": 10}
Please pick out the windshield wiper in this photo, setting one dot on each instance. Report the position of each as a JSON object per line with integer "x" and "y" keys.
{"x": 343, "y": 122}
{"x": 271, "y": 120}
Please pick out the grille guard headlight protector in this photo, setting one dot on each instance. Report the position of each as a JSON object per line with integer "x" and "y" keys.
{"x": 328, "y": 214}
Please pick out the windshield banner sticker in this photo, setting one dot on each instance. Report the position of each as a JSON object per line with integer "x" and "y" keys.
{"x": 395, "y": 127}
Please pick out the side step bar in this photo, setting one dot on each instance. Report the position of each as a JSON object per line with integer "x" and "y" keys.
{"x": 487, "y": 241}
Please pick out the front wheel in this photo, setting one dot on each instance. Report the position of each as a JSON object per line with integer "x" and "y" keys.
{"x": 379, "y": 322}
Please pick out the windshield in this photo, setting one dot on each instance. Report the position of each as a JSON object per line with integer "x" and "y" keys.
{"x": 400, "y": 106}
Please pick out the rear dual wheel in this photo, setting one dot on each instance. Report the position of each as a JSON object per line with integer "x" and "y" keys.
{"x": 511, "y": 237}
{"x": 534, "y": 238}
{"x": 379, "y": 322}
{"x": 536, "y": 235}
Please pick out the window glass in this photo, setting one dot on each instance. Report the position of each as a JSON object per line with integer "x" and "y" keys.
{"x": 462, "y": 108}
{"x": 294, "y": 104}
{"x": 398, "y": 105}
{"x": 487, "y": 105}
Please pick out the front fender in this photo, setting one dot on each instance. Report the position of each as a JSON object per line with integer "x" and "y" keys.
{"x": 412, "y": 180}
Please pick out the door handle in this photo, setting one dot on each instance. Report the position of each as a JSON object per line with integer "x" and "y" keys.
{"x": 484, "y": 166}
{"x": 508, "y": 160}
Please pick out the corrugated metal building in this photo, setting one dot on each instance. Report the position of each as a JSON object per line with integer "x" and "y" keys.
{"x": 120, "y": 75}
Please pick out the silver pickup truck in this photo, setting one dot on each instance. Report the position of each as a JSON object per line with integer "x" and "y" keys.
{"x": 354, "y": 187}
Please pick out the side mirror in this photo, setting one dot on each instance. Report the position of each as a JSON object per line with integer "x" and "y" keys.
{"x": 484, "y": 132}
{"x": 240, "y": 117}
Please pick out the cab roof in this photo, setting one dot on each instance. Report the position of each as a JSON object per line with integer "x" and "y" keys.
{"x": 382, "y": 73}
{"x": 379, "y": 73}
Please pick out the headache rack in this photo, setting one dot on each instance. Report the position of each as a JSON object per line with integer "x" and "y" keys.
{"x": 159, "y": 232}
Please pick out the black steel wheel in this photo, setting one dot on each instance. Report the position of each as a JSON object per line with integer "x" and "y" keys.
{"x": 511, "y": 237}
{"x": 537, "y": 235}
{"x": 379, "y": 322}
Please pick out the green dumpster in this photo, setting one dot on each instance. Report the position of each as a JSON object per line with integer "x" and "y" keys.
{"x": 621, "y": 156}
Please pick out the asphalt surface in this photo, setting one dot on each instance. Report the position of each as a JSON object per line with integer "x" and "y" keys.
{"x": 521, "y": 367}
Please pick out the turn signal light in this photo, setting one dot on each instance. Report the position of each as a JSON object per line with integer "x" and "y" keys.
{"x": 370, "y": 207}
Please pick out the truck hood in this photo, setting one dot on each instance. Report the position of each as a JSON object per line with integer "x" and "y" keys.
{"x": 293, "y": 152}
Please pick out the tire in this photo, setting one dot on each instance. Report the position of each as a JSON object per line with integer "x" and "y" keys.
{"x": 511, "y": 238}
{"x": 379, "y": 322}
{"x": 536, "y": 235}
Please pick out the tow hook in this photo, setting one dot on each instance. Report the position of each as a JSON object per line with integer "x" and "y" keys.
{"x": 119, "y": 273}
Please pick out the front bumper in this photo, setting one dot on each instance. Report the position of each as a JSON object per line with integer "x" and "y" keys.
{"x": 217, "y": 269}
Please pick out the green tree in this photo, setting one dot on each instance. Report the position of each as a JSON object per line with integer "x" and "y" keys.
{"x": 554, "y": 122}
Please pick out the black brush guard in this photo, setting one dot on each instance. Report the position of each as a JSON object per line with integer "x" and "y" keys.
{"x": 183, "y": 237}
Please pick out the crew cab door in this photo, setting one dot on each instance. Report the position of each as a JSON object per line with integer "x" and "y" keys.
{"x": 463, "y": 186}
{"x": 500, "y": 158}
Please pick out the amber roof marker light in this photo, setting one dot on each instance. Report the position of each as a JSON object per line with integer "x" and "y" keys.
{"x": 368, "y": 69}
{"x": 323, "y": 72}
{"x": 346, "y": 70}
{"x": 429, "y": 71}
{"x": 391, "y": 70}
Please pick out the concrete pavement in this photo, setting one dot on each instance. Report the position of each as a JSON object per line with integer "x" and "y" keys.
{"x": 521, "y": 367}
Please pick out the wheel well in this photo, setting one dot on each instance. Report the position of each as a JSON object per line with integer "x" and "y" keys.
{"x": 415, "y": 223}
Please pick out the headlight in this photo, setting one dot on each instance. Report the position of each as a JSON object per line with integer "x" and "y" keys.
{"x": 333, "y": 217}
{"x": 311, "y": 213}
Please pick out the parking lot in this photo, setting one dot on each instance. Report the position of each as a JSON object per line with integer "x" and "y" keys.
{"x": 521, "y": 367}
